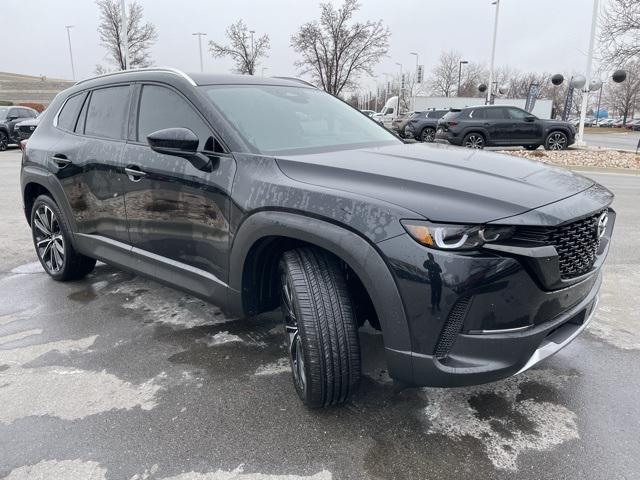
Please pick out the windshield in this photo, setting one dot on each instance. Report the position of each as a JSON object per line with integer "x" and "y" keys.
{"x": 281, "y": 119}
{"x": 3, "y": 112}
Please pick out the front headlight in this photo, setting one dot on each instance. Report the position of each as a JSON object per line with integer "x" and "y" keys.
{"x": 455, "y": 237}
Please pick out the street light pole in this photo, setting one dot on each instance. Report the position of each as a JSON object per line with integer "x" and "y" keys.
{"x": 200, "y": 34}
{"x": 493, "y": 50}
{"x": 125, "y": 34}
{"x": 460, "y": 74}
{"x": 399, "y": 90}
{"x": 585, "y": 94}
{"x": 73, "y": 70}
{"x": 252, "y": 49}
{"x": 413, "y": 100}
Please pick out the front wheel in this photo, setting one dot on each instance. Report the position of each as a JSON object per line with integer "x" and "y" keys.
{"x": 320, "y": 326}
{"x": 556, "y": 141}
{"x": 473, "y": 140}
{"x": 428, "y": 135}
{"x": 52, "y": 239}
{"x": 4, "y": 141}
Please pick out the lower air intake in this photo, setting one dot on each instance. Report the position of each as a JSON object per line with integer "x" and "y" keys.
{"x": 452, "y": 327}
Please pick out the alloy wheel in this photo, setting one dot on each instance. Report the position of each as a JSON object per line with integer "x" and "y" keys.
{"x": 428, "y": 135}
{"x": 557, "y": 141}
{"x": 49, "y": 240}
{"x": 474, "y": 141}
{"x": 294, "y": 341}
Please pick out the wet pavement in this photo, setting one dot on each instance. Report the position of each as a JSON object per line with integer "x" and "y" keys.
{"x": 117, "y": 377}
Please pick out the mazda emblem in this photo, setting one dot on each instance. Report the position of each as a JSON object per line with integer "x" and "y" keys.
{"x": 602, "y": 224}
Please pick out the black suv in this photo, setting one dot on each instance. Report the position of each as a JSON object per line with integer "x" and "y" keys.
{"x": 9, "y": 117}
{"x": 255, "y": 193}
{"x": 497, "y": 125}
{"x": 423, "y": 125}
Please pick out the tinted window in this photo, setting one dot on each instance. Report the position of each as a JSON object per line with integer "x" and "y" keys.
{"x": 495, "y": 113}
{"x": 477, "y": 113}
{"x": 517, "y": 114}
{"x": 107, "y": 114}
{"x": 451, "y": 116}
{"x": 69, "y": 113}
{"x": 162, "y": 108}
{"x": 437, "y": 113}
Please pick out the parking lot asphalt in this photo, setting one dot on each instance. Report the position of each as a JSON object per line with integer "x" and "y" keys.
{"x": 118, "y": 377}
{"x": 622, "y": 140}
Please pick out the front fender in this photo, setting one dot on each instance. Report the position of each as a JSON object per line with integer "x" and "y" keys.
{"x": 363, "y": 258}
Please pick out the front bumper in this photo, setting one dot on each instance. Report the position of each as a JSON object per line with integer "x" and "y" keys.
{"x": 481, "y": 316}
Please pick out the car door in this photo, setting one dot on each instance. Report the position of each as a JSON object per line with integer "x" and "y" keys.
{"x": 87, "y": 160}
{"x": 175, "y": 210}
{"x": 526, "y": 127}
{"x": 499, "y": 125}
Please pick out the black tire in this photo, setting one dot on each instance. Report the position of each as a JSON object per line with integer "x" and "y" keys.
{"x": 4, "y": 141}
{"x": 52, "y": 240}
{"x": 320, "y": 326}
{"x": 428, "y": 135}
{"x": 556, "y": 140}
{"x": 474, "y": 140}
{"x": 531, "y": 147}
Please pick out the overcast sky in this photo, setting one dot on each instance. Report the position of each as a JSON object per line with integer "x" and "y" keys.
{"x": 544, "y": 35}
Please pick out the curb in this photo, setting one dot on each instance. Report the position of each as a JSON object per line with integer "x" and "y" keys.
{"x": 610, "y": 170}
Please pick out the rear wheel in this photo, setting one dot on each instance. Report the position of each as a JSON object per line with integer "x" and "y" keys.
{"x": 4, "y": 141}
{"x": 52, "y": 240}
{"x": 320, "y": 326}
{"x": 473, "y": 140}
{"x": 428, "y": 134}
{"x": 556, "y": 141}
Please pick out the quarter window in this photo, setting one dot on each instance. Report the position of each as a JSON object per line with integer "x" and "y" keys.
{"x": 107, "y": 113}
{"x": 69, "y": 113}
{"x": 162, "y": 108}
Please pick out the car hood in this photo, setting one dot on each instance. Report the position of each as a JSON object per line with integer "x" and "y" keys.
{"x": 440, "y": 183}
{"x": 30, "y": 122}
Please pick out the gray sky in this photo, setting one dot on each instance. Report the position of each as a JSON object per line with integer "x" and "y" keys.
{"x": 546, "y": 35}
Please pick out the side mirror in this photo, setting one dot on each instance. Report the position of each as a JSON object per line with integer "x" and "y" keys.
{"x": 180, "y": 142}
{"x": 530, "y": 118}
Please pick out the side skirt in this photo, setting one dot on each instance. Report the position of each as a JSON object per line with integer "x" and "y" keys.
{"x": 170, "y": 272}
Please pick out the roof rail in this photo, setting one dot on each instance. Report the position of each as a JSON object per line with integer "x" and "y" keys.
{"x": 299, "y": 80}
{"x": 173, "y": 71}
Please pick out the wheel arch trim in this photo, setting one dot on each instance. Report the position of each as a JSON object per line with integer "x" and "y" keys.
{"x": 361, "y": 256}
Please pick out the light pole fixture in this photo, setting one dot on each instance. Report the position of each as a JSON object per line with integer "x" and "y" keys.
{"x": 399, "y": 90}
{"x": 462, "y": 62}
{"x": 252, "y": 50}
{"x": 200, "y": 34}
{"x": 73, "y": 70}
{"x": 413, "y": 101}
{"x": 585, "y": 95}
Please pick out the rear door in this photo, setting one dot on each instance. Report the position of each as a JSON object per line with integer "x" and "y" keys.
{"x": 87, "y": 160}
{"x": 175, "y": 210}
{"x": 499, "y": 125}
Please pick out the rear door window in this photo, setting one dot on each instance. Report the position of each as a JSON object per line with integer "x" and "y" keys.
{"x": 477, "y": 114}
{"x": 496, "y": 113}
{"x": 107, "y": 112}
{"x": 69, "y": 113}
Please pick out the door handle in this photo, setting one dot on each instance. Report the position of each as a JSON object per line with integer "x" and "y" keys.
{"x": 60, "y": 160}
{"x": 134, "y": 173}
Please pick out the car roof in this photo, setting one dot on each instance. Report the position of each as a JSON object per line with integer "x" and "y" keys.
{"x": 197, "y": 79}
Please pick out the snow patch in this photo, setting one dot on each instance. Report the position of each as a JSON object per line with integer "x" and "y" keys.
{"x": 281, "y": 365}
{"x": 19, "y": 335}
{"x": 23, "y": 355}
{"x": 238, "y": 474}
{"x": 28, "y": 268}
{"x": 505, "y": 424}
{"x": 59, "y": 470}
{"x": 219, "y": 339}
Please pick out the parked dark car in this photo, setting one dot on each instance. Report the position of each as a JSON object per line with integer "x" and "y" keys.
{"x": 25, "y": 129}
{"x": 423, "y": 126}
{"x": 9, "y": 117}
{"x": 473, "y": 267}
{"x": 398, "y": 123}
{"x": 497, "y": 125}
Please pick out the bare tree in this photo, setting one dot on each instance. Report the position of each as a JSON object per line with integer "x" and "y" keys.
{"x": 336, "y": 53}
{"x": 620, "y": 31}
{"x": 473, "y": 74}
{"x": 141, "y": 35}
{"x": 444, "y": 78}
{"x": 623, "y": 98}
{"x": 243, "y": 48}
